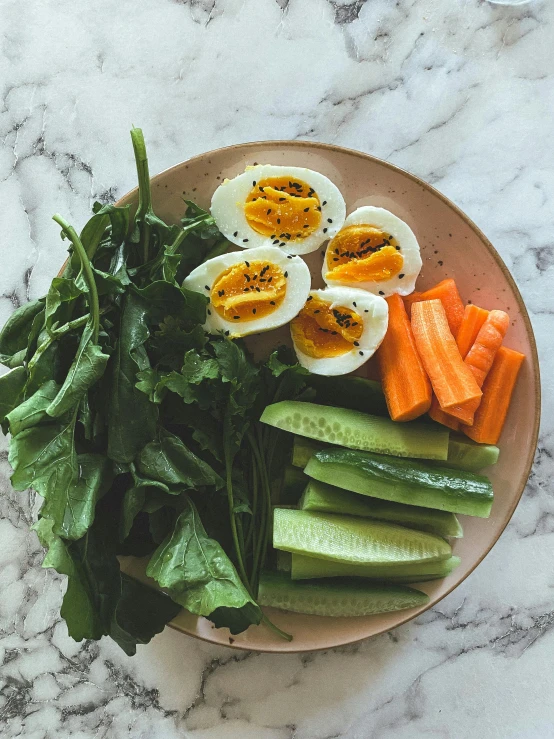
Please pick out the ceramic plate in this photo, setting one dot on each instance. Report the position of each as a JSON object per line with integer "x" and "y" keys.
{"x": 452, "y": 246}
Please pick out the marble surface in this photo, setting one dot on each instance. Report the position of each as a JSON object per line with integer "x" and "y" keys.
{"x": 462, "y": 94}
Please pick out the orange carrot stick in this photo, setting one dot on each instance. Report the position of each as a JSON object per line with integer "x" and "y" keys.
{"x": 497, "y": 393}
{"x": 409, "y": 300}
{"x": 405, "y": 383}
{"x": 480, "y": 357}
{"x": 440, "y": 416}
{"x": 452, "y": 380}
{"x": 472, "y": 321}
{"x": 447, "y": 292}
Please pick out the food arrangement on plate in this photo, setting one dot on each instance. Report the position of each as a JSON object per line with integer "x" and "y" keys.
{"x": 138, "y": 412}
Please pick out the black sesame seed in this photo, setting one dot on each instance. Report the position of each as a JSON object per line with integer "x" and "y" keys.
{"x": 361, "y": 354}
{"x": 245, "y": 289}
{"x": 316, "y": 311}
{"x": 366, "y": 311}
{"x": 247, "y": 277}
{"x": 254, "y": 183}
{"x": 268, "y": 212}
{"x": 334, "y": 333}
{"x": 397, "y": 248}
{"x": 278, "y": 220}
{"x": 255, "y": 277}
{"x": 282, "y": 243}
{"x": 236, "y": 233}
{"x": 236, "y": 318}
{"x": 324, "y": 230}
{"x": 306, "y": 210}
{"x": 289, "y": 257}
{"x": 244, "y": 241}
{"x": 354, "y": 304}
{"x": 306, "y": 225}
{"x": 269, "y": 279}
{"x": 209, "y": 312}
{"x": 286, "y": 274}
{"x": 254, "y": 311}
{"x": 324, "y": 202}
{"x": 310, "y": 297}
{"x": 400, "y": 276}
{"x": 323, "y": 253}
{"x": 276, "y": 241}
{"x": 272, "y": 302}
{"x": 356, "y": 343}
{"x": 227, "y": 333}
{"x": 206, "y": 287}
{"x": 318, "y": 208}
{"x": 281, "y": 199}
{"x": 247, "y": 263}
{"x": 380, "y": 293}
{"x": 329, "y": 220}
{"x": 257, "y": 289}
{"x": 335, "y": 259}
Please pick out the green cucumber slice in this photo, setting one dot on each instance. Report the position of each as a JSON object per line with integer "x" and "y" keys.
{"x": 466, "y": 454}
{"x": 342, "y": 598}
{"x": 354, "y": 540}
{"x": 357, "y": 430}
{"x": 283, "y": 561}
{"x": 403, "y": 481}
{"x": 306, "y": 568}
{"x": 349, "y": 391}
{"x": 303, "y": 449}
{"x": 319, "y": 496}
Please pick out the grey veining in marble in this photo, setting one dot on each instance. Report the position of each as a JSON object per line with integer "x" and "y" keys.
{"x": 459, "y": 92}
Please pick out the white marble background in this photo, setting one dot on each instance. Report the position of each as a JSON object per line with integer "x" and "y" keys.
{"x": 460, "y": 92}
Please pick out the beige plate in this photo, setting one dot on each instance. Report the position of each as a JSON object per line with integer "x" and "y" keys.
{"x": 452, "y": 246}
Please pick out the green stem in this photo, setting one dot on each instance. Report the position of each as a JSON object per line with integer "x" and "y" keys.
{"x": 233, "y": 520}
{"x": 87, "y": 272}
{"x": 145, "y": 193}
{"x": 262, "y": 543}
{"x": 276, "y": 629}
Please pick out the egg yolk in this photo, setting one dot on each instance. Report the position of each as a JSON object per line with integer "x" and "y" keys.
{"x": 362, "y": 253}
{"x": 248, "y": 291}
{"x": 283, "y": 209}
{"x": 321, "y": 331}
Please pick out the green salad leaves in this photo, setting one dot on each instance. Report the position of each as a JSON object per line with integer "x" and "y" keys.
{"x": 139, "y": 431}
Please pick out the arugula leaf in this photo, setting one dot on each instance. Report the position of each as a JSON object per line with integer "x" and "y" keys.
{"x": 132, "y": 419}
{"x": 72, "y": 509}
{"x": 168, "y": 460}
{"x": 87, "y": 368}
{"x": 198, "y": 575}
{"x": 100, "y": 600}
{"x": 14, "y": 336}
{"x": 44, "y": 457}
{"x": 11, "y": 387}
{"x": 33, "y": 410}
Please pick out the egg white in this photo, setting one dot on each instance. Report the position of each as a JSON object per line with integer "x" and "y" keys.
{"x": 298, "y": 287}
{"x": 228, "y": 208}
{"x": 374, "y": 311}
{"x": 409, "y": 248}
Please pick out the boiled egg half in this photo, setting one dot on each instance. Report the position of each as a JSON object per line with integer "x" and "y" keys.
{"x": 293, "y": 208}
{"x": 251, "y": 292}
{"x": 374, "y": 250}
{"x": 339, "y": 329}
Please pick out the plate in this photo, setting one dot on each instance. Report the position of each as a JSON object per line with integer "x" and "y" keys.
{"x": 451, "y": 246}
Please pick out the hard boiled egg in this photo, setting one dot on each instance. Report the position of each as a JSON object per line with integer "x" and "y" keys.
{"x": 339, "y": 329}
{"x": 374, "y": 250}
{"x": 251, "y": 292}
{"x": 293, "y": 208}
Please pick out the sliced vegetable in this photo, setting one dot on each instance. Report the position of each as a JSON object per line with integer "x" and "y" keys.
{"x": 480, "y": 357}
{"x": 472, "y": 321}
{"x": 465, "y": 454}
{"x": 403, "y": 481}
{"x": 357, "y": 430}
{"x": 497, "y": 393}
{"x": 349, "y": 539}
{"x": 336, "y": 598}
{"x": 306, "y": 568}
{"x": 447, "y": 292}
{"x": 405, "y": 383}
{"x": 303, "y": 449}
{"x": 440, "y": 416}
{"x": 452, "y": 380}
{"x": 319, "y": 496}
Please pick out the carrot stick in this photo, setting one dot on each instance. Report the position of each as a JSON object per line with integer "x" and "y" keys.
{"x": 452, "y": 380}
{"x": 447, "y": 292}
{"x": 497, "y": 393}
{"x": 409, "y": 300}
{"x": 405, "y": 383}
{"x": 480, "y": 357}
{"x": 440, "y": 416}
{"x": 472, "y": 321}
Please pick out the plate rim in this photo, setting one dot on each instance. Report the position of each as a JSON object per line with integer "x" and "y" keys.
{"x": 306, "y": 144}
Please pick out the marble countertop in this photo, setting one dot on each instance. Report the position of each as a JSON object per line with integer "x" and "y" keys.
{"x": 462, "y": 94}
